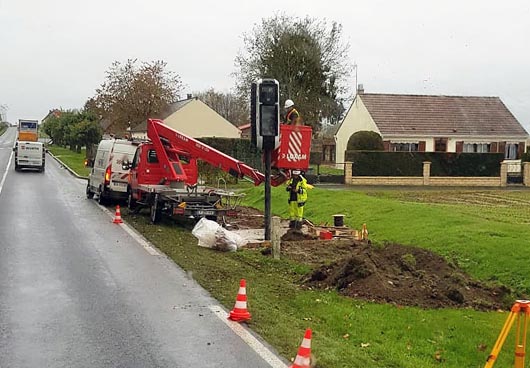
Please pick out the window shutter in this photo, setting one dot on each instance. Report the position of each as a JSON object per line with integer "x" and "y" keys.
{"x": 494, "y": 147}
{"x": 386, "y": 145}
{"x": 421, "y": 146}
{"x": 459, "y": 146}
{"x": 520, "y": 149}
{"x": 502, "y": 147}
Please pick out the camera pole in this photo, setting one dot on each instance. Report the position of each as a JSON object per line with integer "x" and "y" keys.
{"x": 267, "y": 153}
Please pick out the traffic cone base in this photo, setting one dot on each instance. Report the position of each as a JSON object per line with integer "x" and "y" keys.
{"x": 240, "y": 312}
{"x": 303, "y": 358}
{"x": 117, "y": 216}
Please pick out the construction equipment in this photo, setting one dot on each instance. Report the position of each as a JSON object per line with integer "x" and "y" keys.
{"x": 164, "y": 174}
{"x": 520, "y": 311}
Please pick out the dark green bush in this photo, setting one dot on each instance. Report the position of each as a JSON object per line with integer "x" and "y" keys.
{"x": 365, "y": 141}
{"x": 377, "y": 163}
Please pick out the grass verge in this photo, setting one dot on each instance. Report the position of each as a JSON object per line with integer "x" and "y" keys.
{"x": 74, "y": 160}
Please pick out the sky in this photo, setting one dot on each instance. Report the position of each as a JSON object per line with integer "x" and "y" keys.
{"x": 54, "y": 53}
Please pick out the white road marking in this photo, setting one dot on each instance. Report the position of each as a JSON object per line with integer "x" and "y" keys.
{"x": 152, "y": 251}
{"x": 247, "y": 337}
{"x": 135, "y": 235}
{"x": 5, "y": 173}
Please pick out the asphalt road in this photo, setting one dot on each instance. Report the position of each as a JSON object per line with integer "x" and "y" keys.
{"x": 77, "y": 290}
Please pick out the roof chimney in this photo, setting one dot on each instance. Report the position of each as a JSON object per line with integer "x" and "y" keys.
{"x": 360, "y": 89}
{"x": 190, "y": 96}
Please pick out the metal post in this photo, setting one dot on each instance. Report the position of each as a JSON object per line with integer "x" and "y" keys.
{"x": 268, "y": 153}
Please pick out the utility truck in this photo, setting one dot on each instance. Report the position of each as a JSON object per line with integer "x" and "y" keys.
{"x": 163, "y": 174}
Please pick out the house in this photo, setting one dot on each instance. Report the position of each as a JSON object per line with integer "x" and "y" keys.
{"x": 434, "y": 123}
{"x": 193, "y": 118}
{"x": 52, "y": 113}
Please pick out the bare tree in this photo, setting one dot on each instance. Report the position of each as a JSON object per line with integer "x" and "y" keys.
{"x": 307, "y": 56}
{"x": 231, "y": 107}
{"x": 134, "y": 91}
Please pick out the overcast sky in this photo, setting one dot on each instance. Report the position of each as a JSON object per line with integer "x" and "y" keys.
{"x": 54, "y": 53}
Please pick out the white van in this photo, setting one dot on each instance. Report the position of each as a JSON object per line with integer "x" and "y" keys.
{"x": 29, "y": 155}
{"x": 107, "y": 178}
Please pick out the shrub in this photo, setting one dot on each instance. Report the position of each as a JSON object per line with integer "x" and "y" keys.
{"x": 365, "y": 141}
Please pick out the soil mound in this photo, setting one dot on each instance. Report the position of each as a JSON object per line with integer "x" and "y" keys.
{"x": 296, "y": 235}
{"x": 405, "y": 276}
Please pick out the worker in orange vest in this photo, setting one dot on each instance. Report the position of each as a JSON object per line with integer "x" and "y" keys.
{"x": 292, "y": 116}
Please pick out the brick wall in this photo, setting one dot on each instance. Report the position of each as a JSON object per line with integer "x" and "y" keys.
{"x": 428, "y": 180}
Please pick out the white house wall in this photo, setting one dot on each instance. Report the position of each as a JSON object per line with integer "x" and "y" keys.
{"x": 197, "y": 120}
{"x": 357, "y": 119}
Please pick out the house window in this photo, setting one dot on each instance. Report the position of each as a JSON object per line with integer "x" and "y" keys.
{"x": 510, "y": 152}
{"x": 405, "y": 147}
{"x": 440, "y": 145}
{"x": 477, "y": 147}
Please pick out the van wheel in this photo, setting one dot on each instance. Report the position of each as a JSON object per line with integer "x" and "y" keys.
{"x": 89, "y": 193}
{"x": 102, "y": 200}
{"x": 156, "y": 211}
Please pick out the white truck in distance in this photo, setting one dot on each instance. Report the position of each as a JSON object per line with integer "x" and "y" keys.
{"x": 29, "y": 155}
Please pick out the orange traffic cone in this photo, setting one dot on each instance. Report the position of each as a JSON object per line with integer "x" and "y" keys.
{"x": 117, "y": 216}
{"x": 303, "y": 358}
{"x": 240, "y": 312}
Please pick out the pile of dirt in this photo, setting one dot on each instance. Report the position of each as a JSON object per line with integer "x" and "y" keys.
{"x": 296, "y": 235}
{"x": 405, "y": 275}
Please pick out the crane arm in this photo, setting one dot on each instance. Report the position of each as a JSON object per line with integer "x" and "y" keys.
{"x": 159, "y": 133}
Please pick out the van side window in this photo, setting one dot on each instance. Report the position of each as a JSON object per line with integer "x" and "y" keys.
{"x": 151, "y": 156}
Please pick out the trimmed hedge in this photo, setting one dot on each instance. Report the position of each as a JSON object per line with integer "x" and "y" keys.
{"x": 375, "y": 163}
{"x": 241, "y": 149}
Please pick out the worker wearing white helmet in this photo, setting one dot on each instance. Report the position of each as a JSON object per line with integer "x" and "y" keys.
{"x": 292, "y": 116}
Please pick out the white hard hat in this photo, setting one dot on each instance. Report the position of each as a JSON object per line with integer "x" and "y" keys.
{"x": 288, "y": 103}
{"x": 297, "y": 172}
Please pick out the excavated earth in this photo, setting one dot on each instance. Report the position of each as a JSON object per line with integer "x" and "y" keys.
{"x": 392, "y": 273}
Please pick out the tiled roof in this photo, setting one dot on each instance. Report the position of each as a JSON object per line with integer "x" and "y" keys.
{"x": 441, "y": 115}
{"x": 175, "y": 106}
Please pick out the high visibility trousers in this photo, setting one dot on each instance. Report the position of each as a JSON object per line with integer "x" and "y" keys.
{"x": 295, "y": 213}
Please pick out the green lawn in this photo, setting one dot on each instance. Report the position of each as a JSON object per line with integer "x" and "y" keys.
{"x": 74, "y": 160}
{"x": 484, "y": 232}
